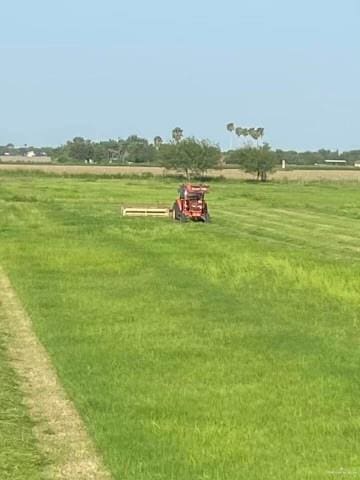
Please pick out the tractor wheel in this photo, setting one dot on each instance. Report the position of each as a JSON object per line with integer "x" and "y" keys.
{"x": 207, "y": 218}
{"x": 177, "y": 213}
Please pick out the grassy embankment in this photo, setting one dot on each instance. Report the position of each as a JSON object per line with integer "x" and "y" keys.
{"x": 222, "y": 351}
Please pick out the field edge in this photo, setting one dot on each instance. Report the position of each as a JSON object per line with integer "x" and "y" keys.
{"x": 60, "y": 433}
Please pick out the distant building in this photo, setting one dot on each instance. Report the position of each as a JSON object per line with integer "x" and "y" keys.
{"x": 357, "y": 163}
{"x": 335, "y": 162}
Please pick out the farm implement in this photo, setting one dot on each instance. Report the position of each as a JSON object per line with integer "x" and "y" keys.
{"x": 140, "y": 211}
{"x": 190, "y": 205}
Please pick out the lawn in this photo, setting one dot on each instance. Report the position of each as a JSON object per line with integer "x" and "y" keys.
{"x": 19, "y": 456}
{"x": 222, "y": 351}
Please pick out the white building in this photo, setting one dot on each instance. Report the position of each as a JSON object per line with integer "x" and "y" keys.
{"x": 335, "y": 162}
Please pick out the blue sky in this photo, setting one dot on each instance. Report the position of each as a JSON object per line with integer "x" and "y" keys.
{"x": 113, "y": 68}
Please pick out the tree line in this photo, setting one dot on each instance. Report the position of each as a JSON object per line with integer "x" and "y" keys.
{"x": 189, "y": 156}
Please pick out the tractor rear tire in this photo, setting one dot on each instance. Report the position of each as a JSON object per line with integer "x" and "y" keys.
{"x": 177, "y": 214}
{"x": 207, "y": 218}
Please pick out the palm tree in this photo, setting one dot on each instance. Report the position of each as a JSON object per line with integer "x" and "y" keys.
{"x": 259, "y": 133}
{"x": 246, "y": 133}
{"x": 177, "y": 134}
{"x": 230, "y": 127}
{"x": 241, "y": 132}
{"x": 252, "y": 133}
{"x": 157, "y": 142}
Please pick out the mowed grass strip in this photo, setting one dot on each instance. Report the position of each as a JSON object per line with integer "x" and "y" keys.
{"x": 222, "y": 351}
{"x": 59, "y": 432}
{"x": 336, "y": 241}
{"x": 19, "y": 456}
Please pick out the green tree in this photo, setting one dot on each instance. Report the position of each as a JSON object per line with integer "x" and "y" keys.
{"x": 138, "y": 150}
{"x": 191, "y": 157}
{"x": 80, "y": 149}
{"x": 158, "y": 142}
{"x": 177, "y": 134}
{"x": 260, "y": 161}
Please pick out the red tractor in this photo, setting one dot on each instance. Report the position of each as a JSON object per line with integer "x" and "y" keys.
{"x": 191, "y": 204}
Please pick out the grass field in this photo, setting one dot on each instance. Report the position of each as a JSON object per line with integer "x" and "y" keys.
{"x": 19, "y": 456}
{"x": 223, "y": 351}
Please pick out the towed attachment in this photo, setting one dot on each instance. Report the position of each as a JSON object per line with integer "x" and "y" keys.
{"x": 139, "y": 211}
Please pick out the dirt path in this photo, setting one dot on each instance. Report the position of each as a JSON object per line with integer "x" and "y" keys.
{"x": 59, "y": 429}
{"x": 285, "y": 175}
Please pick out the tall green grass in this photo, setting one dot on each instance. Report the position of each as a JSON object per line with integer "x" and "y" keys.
{"x": 221, "y": 351}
